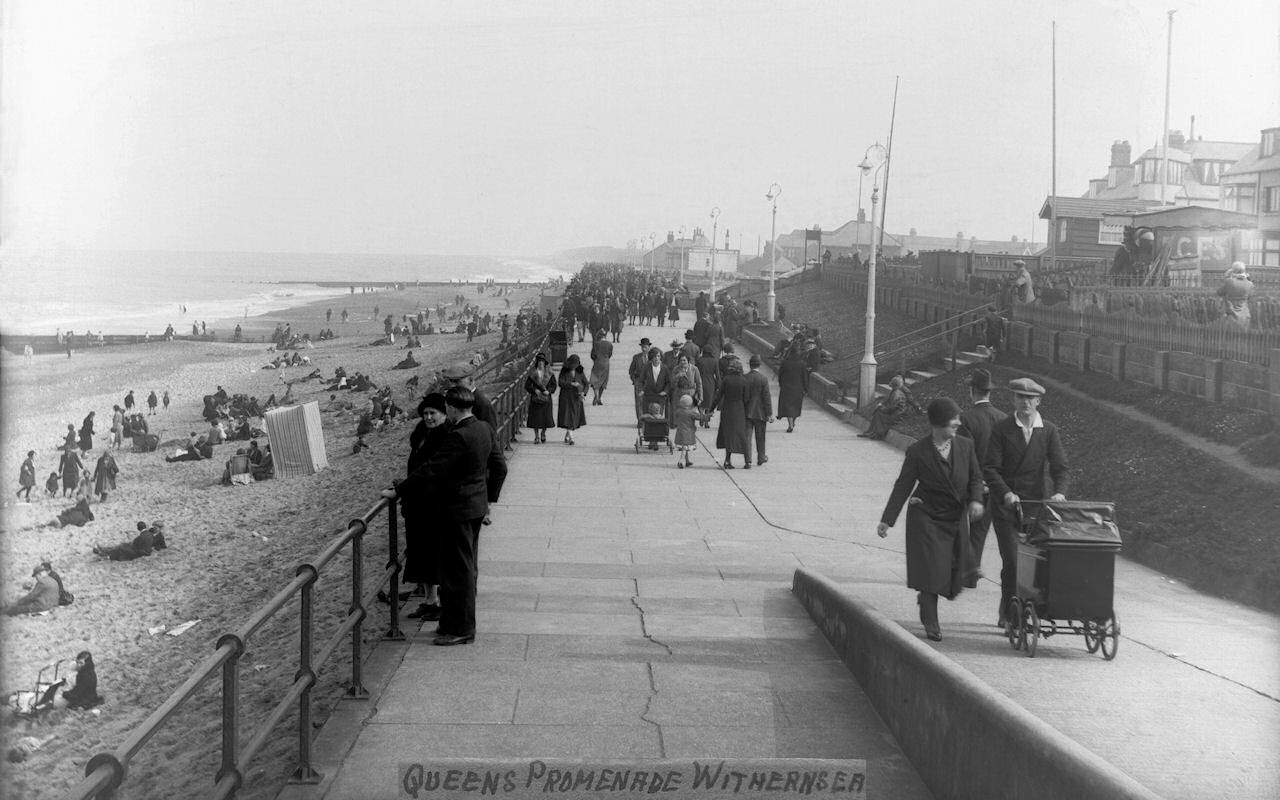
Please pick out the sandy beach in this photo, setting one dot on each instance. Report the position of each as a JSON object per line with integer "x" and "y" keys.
{"x": 230, "y": 548}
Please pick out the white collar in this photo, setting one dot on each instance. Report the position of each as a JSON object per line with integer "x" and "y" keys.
{"x": 1036, "y": 421}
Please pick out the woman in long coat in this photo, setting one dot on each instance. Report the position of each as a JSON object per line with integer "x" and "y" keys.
{"x": 540, "y": 385}
{"x": 941, "y": 476}
{"x": 104, "y": 475}
{"x": 601, "y": 353}
{"x": 419, "y": 508}
{"x": 793, "y": 385}
{"x": 71, "y": 466}
{"x": 86, "y": 433}
{"x": 573, "y": 385}
{"x": 731, "y": 400}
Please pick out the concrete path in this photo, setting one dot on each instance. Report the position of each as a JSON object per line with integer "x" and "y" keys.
{"x": 629, "y": 610}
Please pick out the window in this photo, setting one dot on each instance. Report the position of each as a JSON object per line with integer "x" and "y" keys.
{"x": 1175, "y": 173}
{"x": 1062, "y": 230}
{"x": 1271, "y": 199}
{"x": 1150, "y": 169}
{"x": 1239, "y": 197}
{"x": 1110, "y": 234}
{"x": 1210, "y": 172}
{"x": 1263, "y": 249}
{"x": 1269, "y": 141}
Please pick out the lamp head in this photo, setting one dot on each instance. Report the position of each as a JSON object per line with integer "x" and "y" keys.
{"x": 865, "y": 166}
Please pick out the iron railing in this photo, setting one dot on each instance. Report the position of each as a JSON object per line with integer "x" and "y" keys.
{"x": 105, "y": 772}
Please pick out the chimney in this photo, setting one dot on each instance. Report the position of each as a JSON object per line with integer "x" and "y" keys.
{"x": 1121, "y": 155}
{"x": 671, "y": 237}
{"x": 1176, "y": 140}
{"x": 862, "y": 215}
{"x": 1192, "y": 136}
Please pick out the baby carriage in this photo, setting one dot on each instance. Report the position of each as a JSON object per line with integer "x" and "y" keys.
{"x": 32, "y": 704}
{"x": 653, "y": 428}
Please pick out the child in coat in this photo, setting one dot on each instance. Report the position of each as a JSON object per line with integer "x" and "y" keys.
{"x": 687, "y": 416}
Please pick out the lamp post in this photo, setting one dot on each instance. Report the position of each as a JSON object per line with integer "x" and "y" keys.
{"x": 683, "y": 250}
{"x": 715, "y": 222}
{"x": 772, "y": 197}
{"x": 653, "y": 250}
{"x": 867, "y": 373}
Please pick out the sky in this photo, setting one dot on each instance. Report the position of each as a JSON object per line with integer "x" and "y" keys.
{"x": 522, "y": 128}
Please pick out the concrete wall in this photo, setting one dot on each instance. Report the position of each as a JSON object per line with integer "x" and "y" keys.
{"x": 966, "y": 739}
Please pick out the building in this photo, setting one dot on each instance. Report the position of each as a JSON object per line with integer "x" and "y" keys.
{"x": 1194, "y": 173}
{"x": 759, "y": 266}
{"x": 693, "y": 255}
{"x": 1086, "y": 226}
{"x": 856, "y": 236}
{"x": 1252, "y": 186}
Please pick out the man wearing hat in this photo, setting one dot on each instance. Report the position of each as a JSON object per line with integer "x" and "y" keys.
{"x": 691, "y": 349}
{"x": 1023, "y": 288}
{"x": 976, "y": 424}
{"x": 636, "y": 371}
{"x": 460, "y": 375}
{"x": 1021, "y": 447}
{"x": 759, "y": 405}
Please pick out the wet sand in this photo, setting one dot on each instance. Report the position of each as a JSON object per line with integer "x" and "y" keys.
{"x": 230, "y": 548}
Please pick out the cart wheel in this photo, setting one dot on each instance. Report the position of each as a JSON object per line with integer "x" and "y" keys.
{"x": 1031, "y": 626}
{"x": 1012, "y": 623}
{"x": 1110, "y": 633}
{"x": 1092, "y": 639}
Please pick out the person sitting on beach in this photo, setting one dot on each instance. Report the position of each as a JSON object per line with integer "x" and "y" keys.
{"x": 217, "y": 433}
{"x": 194, "y": 451}
{"x": 46, "y": 593}
{"x": 408, "y": 362}
{"x": 312, "y": 375}
{"x": 266, "y": 469}
{"x": 85, "y": 693}
{"x": 360, "y": 444}
{"x": 149, "y": 539}
{"x": 255, "y": 453}
{"x": 51, "y": 484}
{"x": 242, "y": 431}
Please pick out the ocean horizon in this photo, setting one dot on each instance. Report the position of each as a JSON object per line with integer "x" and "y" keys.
{"x": 119, "y": 292}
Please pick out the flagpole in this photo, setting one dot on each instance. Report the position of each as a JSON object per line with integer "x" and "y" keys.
{"x": 888, "y": 157}
{"x": 1053, "y": 155}
{"x": 1164, "y": 149}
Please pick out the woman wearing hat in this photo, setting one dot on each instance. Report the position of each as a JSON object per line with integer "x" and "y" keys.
{"x": 573, "y": 385}
{"x": 941, "y": 485}
{"x": 418, "y": 508}
{"x": 540, "y": 385}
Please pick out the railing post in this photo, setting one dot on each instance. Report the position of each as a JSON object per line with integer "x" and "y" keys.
{"x": 230, "y": 713}
{"x": 304, "y": 773}
{"x": 393, "y": 547}
{"x": 356, "y": 689}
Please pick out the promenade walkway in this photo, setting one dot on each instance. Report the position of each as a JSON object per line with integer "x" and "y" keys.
{"x": 629, "y": 611}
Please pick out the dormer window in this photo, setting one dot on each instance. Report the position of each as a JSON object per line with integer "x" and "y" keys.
{"x": 1210, "y": 172}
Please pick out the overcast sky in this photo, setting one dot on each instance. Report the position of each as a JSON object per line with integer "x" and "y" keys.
{"x": 525, "y": 127}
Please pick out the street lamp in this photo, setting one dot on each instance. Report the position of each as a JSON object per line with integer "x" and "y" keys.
{"x": 772, "y": 197}
{"x": 715, "y": 222}
{"x": 683, "y": 250}
{"x": 867, "y": 373}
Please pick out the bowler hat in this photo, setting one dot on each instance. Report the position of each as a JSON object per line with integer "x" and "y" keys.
{"x": 645, "y": 342}
{"x": 1026, "y": 386}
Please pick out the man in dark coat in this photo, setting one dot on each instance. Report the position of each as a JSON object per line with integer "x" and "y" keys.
{"x": 466, "y": 472}
{"x": 460, "y": 375}
{"x": 976, "y": 424}
{"x": 635, "y": 371}
{"x": 1021, "y": 447}
{"x": 759, "y": 405}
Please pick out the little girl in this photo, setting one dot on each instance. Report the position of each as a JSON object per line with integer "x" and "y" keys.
{"x": 687, "y": 417}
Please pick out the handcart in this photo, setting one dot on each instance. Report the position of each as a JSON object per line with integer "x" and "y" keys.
{"x": 34, "y": 703}
{"x": 654, "y": 430}
{"x": 1066, "y": 576}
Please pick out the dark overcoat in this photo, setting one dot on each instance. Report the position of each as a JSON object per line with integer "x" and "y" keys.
{"x": 793, "y": 384}
{"x": 1013, "y": 464}
{"x": 937, "y": 531}
{"x": 540, "y": 414}
{"x": 731, "y": 400}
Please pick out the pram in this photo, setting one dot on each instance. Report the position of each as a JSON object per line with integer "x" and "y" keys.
{"x": 31, "y": 704}
{"x": 654, "y": 430}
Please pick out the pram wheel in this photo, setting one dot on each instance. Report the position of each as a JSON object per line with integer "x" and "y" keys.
{"x": 1092, "y": 636}
{"x": 1110, "y": 633}
{"x": 1013, "y": 623}
{"x": 1031, "y": 628}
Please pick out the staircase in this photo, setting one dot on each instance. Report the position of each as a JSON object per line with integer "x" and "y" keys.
{"x": 963, "y": 358}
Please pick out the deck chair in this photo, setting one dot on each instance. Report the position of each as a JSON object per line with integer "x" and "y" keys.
{"x": 31, "y": 704}
{"x": 241, "y": 471}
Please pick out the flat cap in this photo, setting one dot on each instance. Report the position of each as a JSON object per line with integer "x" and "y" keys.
{"x": 457, "y": 371}
{"x": 1026, "y": 386}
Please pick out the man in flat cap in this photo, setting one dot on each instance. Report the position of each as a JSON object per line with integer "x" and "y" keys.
{"x": 1021, "y": 447}
{"x": 460, "y": 375}
{"x": 976, "y": 424}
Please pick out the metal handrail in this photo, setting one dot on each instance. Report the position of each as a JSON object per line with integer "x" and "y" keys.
{"x": 105, "y": 772}
{"x": 942, "y": 324}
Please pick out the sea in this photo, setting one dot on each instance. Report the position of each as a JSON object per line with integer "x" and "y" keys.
{"x": 144, "y": 292}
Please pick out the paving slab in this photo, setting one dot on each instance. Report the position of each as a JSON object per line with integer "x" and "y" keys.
{"x": 629, "y": 610}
